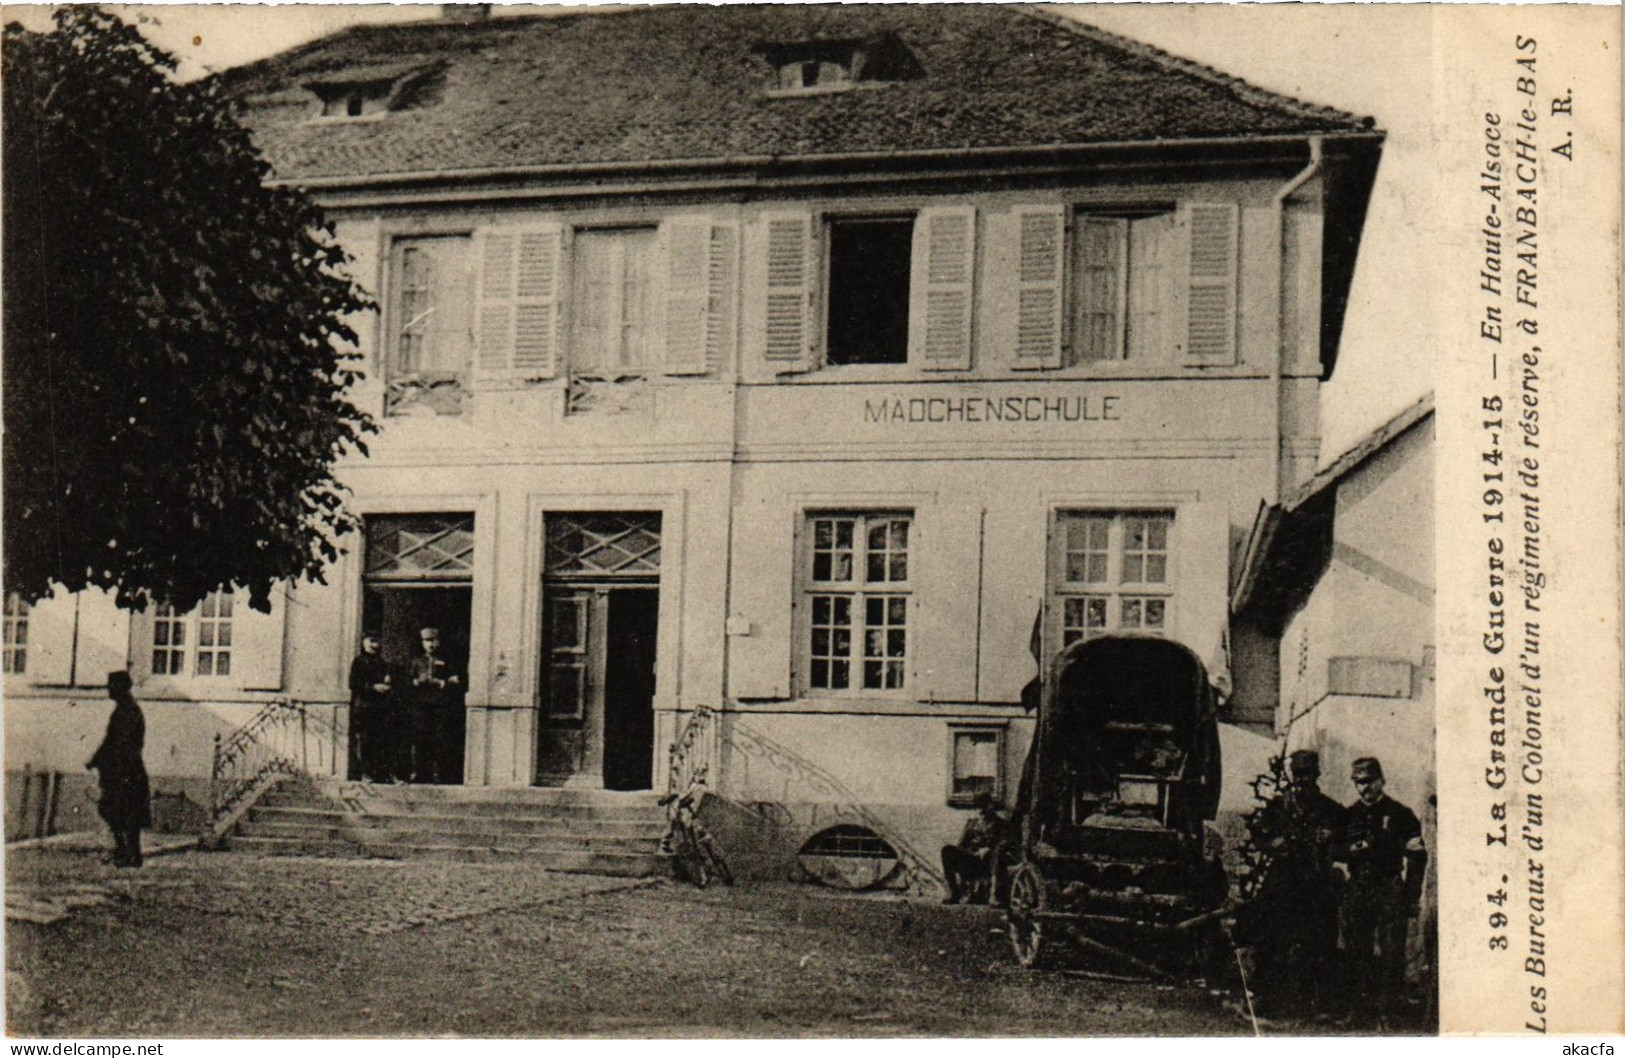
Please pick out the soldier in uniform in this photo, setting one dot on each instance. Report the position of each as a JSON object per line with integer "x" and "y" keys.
{"x": 373, "y": 730}
{"x": 973, "y": 867}
{"x": 1296, "y": 918}
{"x": 437, "y": 690}
{"x": 125, "y": 803}
{"x": 1382, "y": 845}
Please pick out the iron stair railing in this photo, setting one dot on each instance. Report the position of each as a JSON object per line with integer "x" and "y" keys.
{"x": 285, "y": 739}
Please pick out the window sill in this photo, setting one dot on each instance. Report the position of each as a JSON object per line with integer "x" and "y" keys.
{"x": 190, "y": 688}
{"x": 972, "y": 712}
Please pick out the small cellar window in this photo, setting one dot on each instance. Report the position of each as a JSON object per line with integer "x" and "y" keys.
{"x": 849, "y": 840}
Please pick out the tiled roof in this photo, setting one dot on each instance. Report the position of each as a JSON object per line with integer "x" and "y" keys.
{"x": 690, "y": 84}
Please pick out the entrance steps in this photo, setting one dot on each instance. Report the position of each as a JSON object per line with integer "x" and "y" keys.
{"x": 576, "y": 831}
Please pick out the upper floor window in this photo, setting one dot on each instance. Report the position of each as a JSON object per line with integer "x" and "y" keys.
{"x": 857, "y": 589}
{"x": 895, "y": 289}
{"x": 1094, "y": 286}
{"x": 1122, "y": 292}
{"x": 198, "y": 643}
{"x": 1110, "y": 572}
{"x": 430, "y": 339}
{"x": 15, "y": 657}
{"x": 870, "y": 262}
{"x": 614, "y": 313}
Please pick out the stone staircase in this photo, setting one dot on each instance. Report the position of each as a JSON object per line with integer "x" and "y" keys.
{"x": 577, "y": 831}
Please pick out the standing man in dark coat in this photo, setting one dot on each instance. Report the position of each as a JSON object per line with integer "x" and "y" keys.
{"x": 126, "y": 798}
{"x": 1298, "y": 901}
{"x": 373, "y": 731}
{"x": 437, "y": 690}
{"x": 1382, "y": 845}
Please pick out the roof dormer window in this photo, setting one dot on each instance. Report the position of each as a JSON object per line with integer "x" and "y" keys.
{"x": 820, "y": 65}
{"x": 810, "y": 74}
{"x": 355, "y": 104}
{"x": 372, "y": 91}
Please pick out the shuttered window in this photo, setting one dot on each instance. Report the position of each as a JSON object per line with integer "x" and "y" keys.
{"x": 1210, "y": 295}
{"x": 942, "y": 295}
{"x": 1040, "y": 241}
{"x": 428, "y": 353}
{"x": 614, "y": 314}
{"x": 521, "y": 280}
{"x": 786, "y": 290}
{"x": 1122, "y": 294}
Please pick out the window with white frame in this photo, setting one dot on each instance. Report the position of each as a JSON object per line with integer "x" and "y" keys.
{"x": 1122, "y": 282}
{"x": 976, "y": 762}
{"x": 197, "y": 643}
{"x": 857, "y": 601}
{"x": 16, "y": 634}
{"x": 1111, "y": 571}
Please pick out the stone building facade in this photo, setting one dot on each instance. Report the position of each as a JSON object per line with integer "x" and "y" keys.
{"x": 804, "y": 367}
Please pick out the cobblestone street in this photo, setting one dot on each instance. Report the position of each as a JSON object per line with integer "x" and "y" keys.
{"x": 200, "y": 944}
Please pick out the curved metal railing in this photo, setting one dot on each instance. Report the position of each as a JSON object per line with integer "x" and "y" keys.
{"x": 283, "y": 739}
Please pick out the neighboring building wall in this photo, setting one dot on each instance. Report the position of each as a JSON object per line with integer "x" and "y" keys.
{"x": 1357, "y": 661}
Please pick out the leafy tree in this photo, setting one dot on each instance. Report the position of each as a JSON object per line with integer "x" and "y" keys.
{"x": 174, "y": 377}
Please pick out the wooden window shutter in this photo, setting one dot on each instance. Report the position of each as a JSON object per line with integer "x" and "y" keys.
{"x": 1149, "y": 300}
{"x": 517, "y": 327}
{"x": 786, "y": 291}
{"x": 51, "y": 622}
{"x": 940, "y": 296}
{"x": 1040, "y": 246}
{"x": 257, "y": 640}
{"x": 722, "y": 284}
{"x": 688, "y": 293}
{"x": 1210, "y": 238}
{"x": 1102, "y": 276}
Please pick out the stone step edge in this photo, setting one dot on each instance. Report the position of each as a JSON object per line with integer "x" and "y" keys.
{"x": 368, "y": 837}
{"x": 578, "y": 858}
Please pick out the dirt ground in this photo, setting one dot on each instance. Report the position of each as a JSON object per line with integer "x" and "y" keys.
{"x": 209, "y": 945}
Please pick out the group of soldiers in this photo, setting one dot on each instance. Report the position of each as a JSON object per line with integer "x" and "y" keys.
{"x": 406, "y": 726}
{"x": 1340, "y": 888}
{"x": 1329, "y": 923}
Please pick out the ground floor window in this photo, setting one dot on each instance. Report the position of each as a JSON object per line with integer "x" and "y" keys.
{"x": 857, "y": 597}
{"x": 196, "y": 643}
{"x": 16, "y": 634}
{"x": 1110, "y": 571}
{"x": 976, "y": 763}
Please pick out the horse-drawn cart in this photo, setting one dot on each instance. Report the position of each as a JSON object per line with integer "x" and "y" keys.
{"x": 1122, "y": 774}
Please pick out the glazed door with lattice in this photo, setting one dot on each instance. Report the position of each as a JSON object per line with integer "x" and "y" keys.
{"x": 599, "y": 617}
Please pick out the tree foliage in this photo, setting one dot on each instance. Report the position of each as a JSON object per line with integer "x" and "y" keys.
{"x": 174, "y": 364}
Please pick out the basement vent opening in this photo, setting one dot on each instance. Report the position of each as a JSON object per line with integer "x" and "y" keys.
{"x": 849, "y": 840}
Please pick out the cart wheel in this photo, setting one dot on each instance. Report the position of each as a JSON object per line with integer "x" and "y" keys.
{"x": 1028, "y": 901}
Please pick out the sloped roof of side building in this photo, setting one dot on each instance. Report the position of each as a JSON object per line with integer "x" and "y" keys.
{"x": 686, "y": 84}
